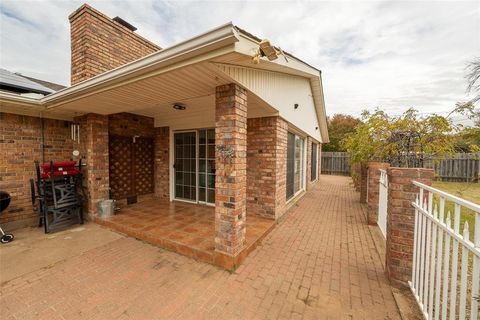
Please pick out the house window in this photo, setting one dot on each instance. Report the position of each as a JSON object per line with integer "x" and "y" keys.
{"x": 314, "y": 162}
{"x": 295, "y": 165}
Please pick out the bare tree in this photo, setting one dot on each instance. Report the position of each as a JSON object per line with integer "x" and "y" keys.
{"x": 473, "y": 87}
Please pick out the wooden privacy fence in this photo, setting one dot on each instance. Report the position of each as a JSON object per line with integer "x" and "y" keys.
{"x": 446, "y": 262}
{"x": 461, "y": 167}
{"x": 336, "y": 163}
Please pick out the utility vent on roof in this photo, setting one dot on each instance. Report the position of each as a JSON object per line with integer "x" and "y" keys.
{"x": 124, "y": 23}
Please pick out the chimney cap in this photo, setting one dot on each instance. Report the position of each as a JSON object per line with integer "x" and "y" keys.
{"x": 124, "y": 23}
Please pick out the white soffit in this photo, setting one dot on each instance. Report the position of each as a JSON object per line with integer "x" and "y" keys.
{"x": 281, "y": 91}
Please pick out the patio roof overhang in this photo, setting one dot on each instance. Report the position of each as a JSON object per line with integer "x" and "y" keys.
{"x": 187, "y": 73}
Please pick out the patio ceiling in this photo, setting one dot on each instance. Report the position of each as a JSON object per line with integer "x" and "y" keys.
{"x": 193, "y": 86}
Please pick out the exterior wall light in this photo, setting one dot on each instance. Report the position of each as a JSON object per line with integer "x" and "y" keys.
{"x": 178, "y": 106}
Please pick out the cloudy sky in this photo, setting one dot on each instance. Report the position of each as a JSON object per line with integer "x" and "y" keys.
{"x": 384, "y": 54}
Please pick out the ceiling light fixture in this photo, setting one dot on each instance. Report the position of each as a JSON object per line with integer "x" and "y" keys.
{"x": 178, "y": 106}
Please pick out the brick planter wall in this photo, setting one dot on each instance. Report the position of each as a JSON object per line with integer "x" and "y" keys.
{"x": 21, "y": 145}
{"x": 401, "y": 220}
{"x": 373, "y": 190}
{"x": 162, "y": 160}
{"x": 231, "y": 173}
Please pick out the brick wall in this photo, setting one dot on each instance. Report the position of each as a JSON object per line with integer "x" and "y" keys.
{"x": 129, "y": 125}
{"x": 231, "y": 175}
{"x": 373, "y": 190}
{"x": 162, "y": 160}
{"x": 265, "y": 168}
{"x": 21, "y": 145}
{"x": 94, "y": 152}
{"x": 401, "y": 220}
{"x": 99, "y": 44}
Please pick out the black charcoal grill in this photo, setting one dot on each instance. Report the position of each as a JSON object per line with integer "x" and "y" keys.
{"x": 4, "y": 203}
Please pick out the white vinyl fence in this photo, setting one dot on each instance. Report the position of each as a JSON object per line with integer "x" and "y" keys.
{"x": 383, "y": 202}
{"x": 446, "y": 263}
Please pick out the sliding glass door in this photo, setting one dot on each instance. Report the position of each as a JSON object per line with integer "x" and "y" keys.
{"x": 195, "y": 166}
{"x": 295, "y": 165}
{"x": 206, "y": 168}
{"x": 186, "y": 166}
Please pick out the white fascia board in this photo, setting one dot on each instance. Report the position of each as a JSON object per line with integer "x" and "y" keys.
{"x": 208, "y": 41}
{"x": 19, "y": 99}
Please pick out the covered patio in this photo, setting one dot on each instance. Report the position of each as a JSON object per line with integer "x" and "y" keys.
{"x": 181, "y": 227}
{"x": 199, "y": 122}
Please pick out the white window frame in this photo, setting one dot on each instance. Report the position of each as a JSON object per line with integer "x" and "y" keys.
{"x": 303, "y": 178}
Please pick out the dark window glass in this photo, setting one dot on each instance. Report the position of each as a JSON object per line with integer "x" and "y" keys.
{"x": 314, "y": 162}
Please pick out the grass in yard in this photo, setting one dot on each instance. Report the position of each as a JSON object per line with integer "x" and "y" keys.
{"x": 464, "y": 190}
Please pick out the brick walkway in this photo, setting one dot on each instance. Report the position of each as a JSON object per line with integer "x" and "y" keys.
{"x": 320, "y": 263}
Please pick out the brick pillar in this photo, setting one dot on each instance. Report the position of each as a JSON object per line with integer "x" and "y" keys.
{"x": 162, "y": 160}
{"x": 363, "y": 180}
{"x": 373, "y": 190}
{"x": 94, "y": 152}
{"x": 266, "y": 166}
{"x": 231, "y": 175}
{"x": 281, "y": 167}
{"x": 401, "y": 220}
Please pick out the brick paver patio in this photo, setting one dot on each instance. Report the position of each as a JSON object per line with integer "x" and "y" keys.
{"x": 319, "y": 263}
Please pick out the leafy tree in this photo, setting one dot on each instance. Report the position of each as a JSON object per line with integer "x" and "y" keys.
{"x": 403, "y": 141}
{"x": 338, "y": 127}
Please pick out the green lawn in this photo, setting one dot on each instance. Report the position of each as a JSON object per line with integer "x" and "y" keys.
{"x": 467, "y": 191}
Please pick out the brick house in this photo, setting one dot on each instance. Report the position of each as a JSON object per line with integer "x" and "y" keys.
{"x": 205, "y": 124}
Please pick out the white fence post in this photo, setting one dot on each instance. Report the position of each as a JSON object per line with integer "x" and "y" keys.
{"x": 383, "y": 202}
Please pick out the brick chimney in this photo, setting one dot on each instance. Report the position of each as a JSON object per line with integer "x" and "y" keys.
{"x": 99, "y": 43}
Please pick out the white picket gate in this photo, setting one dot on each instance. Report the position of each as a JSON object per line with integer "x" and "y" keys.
{"x": 383, "y": 202}
{"x": 446, "y": 263}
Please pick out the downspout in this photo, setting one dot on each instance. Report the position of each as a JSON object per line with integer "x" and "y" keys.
{"x": 42, "y": 121}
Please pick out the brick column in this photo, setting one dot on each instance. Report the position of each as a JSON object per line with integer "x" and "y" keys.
{"x": 363, "y": 180}
{"x": 401, "y": 220}
{"x": 230, "y": 181}
{"x": 94, "y": 152}
{"x": 162, "y": 160}
{"x": 266, "y": 166}
{"x": 373, "y": 190}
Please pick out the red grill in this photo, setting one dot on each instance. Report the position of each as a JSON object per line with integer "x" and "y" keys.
{"x": 61, "y": 168}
